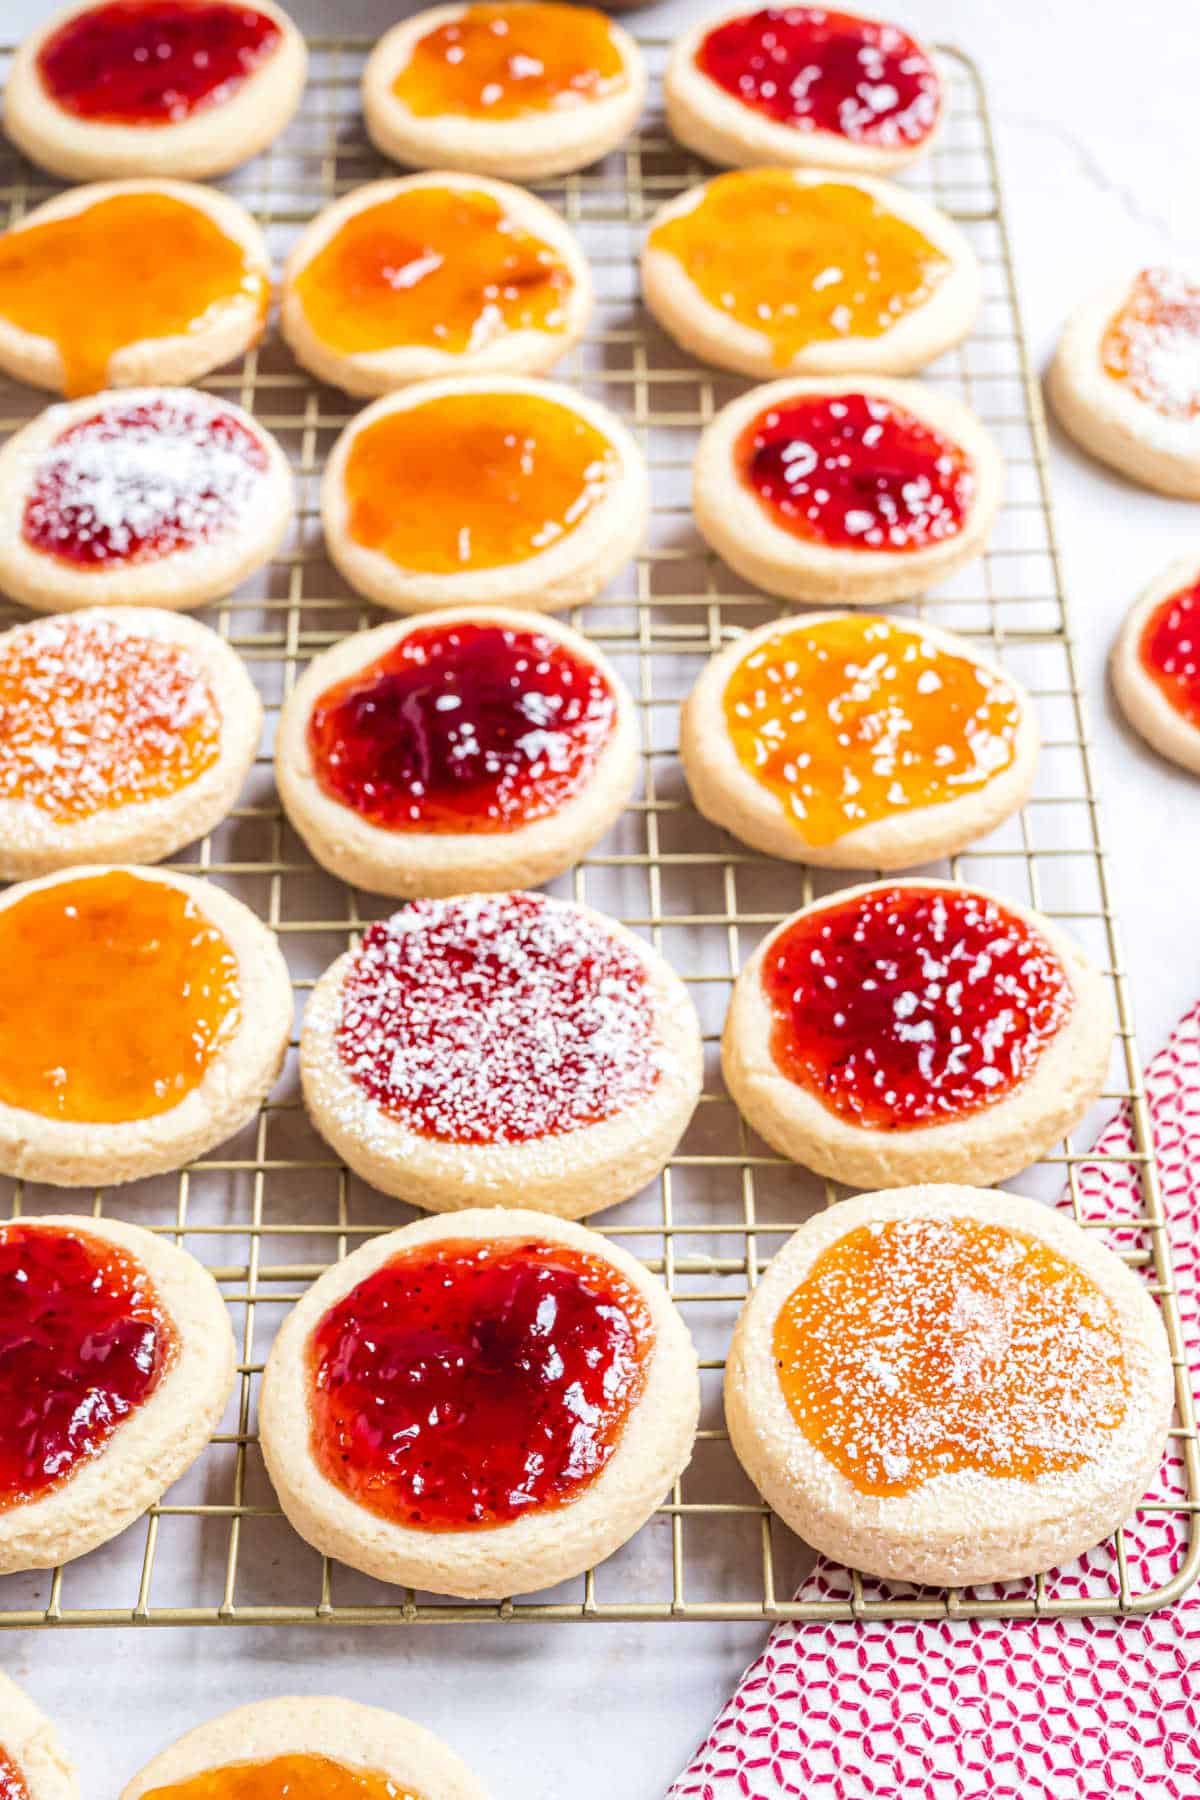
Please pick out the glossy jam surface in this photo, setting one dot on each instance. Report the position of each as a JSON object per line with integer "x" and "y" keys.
{"x": 153, "y": 62}
{"x": 299, "y": 1776}
{"x": 801, "y": 264}
{"x": 114, "y": 994}
{"x": 466, "y": 1382}
{"x": 1169, "y": 651}
{"x": 505, "y": 62}
{"x": 445, "y": 267}
{"x": 94, "y": 716}
{"x": 128, "y": 267}
{"x": 920, "y": 1347}
{"x": 912, "y": 1006}
{"x": 135, "y": 482}
{"x": 497, "y": 1019}
{"x": 462, "y": 728}
{"x": 855, "y": 472}
{"x": 84, "y": 1341}
{"x": 1153, "y": 343}
{"x": 819, "y": 70}
{"x": 474, "y": 481}
{"x": 12, "y": 1781}
{"x": 855, "y": 719}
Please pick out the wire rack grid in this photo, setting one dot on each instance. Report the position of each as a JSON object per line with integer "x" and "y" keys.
{"x": 273, "y": 1208}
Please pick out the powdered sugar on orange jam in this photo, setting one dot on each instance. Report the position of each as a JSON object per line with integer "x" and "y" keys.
{"x": 1153, "y": 342}
{"x": 921, "y": 1347}
{"x": 12, "y": 1782}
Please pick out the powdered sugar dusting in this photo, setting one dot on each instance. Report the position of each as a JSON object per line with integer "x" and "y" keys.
{"x": 1153, "y": 343}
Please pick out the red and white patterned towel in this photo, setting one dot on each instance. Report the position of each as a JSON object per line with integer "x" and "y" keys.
{"x": 1043, "y": 1709}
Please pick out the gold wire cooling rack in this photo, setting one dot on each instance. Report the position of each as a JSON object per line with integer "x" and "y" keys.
{"x": 274, "y": 1208}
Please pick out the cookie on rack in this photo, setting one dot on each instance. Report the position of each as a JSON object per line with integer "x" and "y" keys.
{"x": 772, "y": 271}
{"x": 502, "y": 1050}
{"x": 523, "y": 89}
{"x": 484, "y": 489}
{"x": 853, "y": 492}
{"x": 1155, "y": 664}
{"x": 558, "y": 1409}
{"x": 853, "y": 741}
{"x": 916, "y": 1031}
{"x": 803, "y": 86}
{"x": 128, "y": 732}
{"x": 151, "y": 87}
{"x": 33, "y": 1764}
{"x": 433, "y": 274}
{"x": 145, "y": 496}
{"x": 143, "y": 1017}
{"x": 118, "y": 1362}
{"x": 1125, "y": 380}
{"x": 947, "y": 1386}
{"x": 130, "y": 283}
{"x": 479, "y": 750}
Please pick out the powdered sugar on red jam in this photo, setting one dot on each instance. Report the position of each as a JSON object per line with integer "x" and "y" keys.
{"x": 498, "y": 1019}
{"x": 1153, "y": 343}
{"x": 12, "y": 1782}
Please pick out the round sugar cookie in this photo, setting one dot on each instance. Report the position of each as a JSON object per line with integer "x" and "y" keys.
{"x": 947, "y": 1386}
{"x": 143, "y": 1017}
{"x": 853, "y": 492}
{"x": 916, "y": 1031}
{"x": 478, "y": 750}
{"x": 805, "y": 85}
{"x": 128, "y": 732}
{"x": 492, "y": 280}
{"x": 92, "y": 1439}
{"x": 525, "y": 89}
{"x": 146, "y": 496}
{"x": 853, "y": 741}
{"x": 502, "y": 1050}
{"x": 128, "y": 283}
{"x": 32, "y": 1761}
{"x": 772, "y": 271}
{"x": 1155, "y": 664}
{"x": 562, "y": 1411}
{"x": 152, "y": 87}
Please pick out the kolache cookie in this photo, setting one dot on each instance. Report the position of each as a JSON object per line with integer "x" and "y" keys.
{"x": 153, "y": 87}
{"x": 480, "y": 1406}
{"x": 947, "y": 1386}
{"x": 502, "y": 1050}
{"x": 118, "y": 1362}
{"x": 146, "y": 496}
{"x": 771, "y": 271}
{"x": 854, "y": 492}
{"x": 315, "y": 1748}
{"x": 484, "y": 489}
{"x": 854, "y": 741}
{"x": 916, "y": 1031}
{"x": 32, "y": 1761}
{"x": 1125, "y": 380}
{"x": 128, "y": 283}
{"x": 128, "y": 732}
{"x": 482, "y": 749}
{"x": 803, "y": 85}
{"x": 526, "y": 90}
{"x": 143, "y": 1017}
{"x": 430, "y": 275}
{"x": 1155, "y": 664}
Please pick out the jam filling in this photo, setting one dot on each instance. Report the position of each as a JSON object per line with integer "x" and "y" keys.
{"x": 153, "y": 62}
{"x": 128, "y": 267}
{"x": 440, "y": 266}
{"x": 94, "y": 716}
{"x": 851, "y": 720}
{"x": 462, "y": 728}
{"x": 920, "y": 1347}
{"x": 856, "y": 473}
{"x": 138, "y": 480}
{"x": 84, "y": 1341}
{"x": 1153, "y": 343}
{"x": 474, "y": 481}
{"x": 1169, "y": 651}
{"x": 507, "y": 61}
{"x": 300, "y": 1775}
{"x": 498, "y": 1019}
{"x": 818, "y": 70}
{"x": 115, "y": 992}
{"x": 801, "y": 263}
{"x": 12, "y": 1781}
{"x": 911, "y": 1006}
{"x": 466, "y": 1383}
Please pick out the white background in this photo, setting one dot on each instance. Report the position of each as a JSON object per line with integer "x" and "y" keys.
{"x": 1095, "y": 106}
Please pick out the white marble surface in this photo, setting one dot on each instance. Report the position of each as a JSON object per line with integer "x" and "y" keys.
{"x": 1095, "y": 110}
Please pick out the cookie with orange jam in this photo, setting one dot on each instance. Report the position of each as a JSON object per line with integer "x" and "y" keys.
{"x": 33, "y": 1764}
{"x": 1155, "y": 664}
